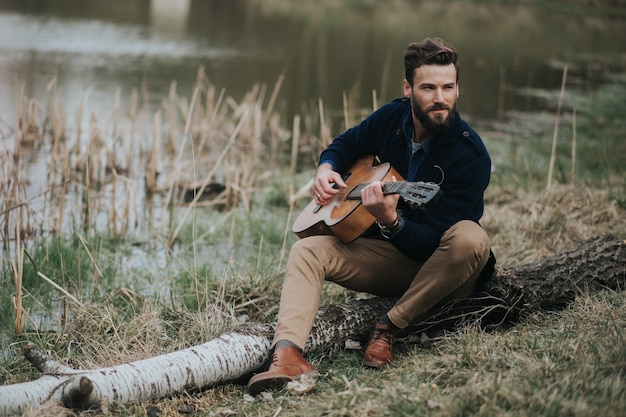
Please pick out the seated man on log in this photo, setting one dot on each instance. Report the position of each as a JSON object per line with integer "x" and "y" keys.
{"x": 418, "y": 256}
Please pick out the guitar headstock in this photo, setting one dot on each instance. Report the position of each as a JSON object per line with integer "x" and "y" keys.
{"x": 419, "y": 195}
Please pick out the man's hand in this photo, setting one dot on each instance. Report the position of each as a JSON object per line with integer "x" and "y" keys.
{"x": 382, "y": 207}
{"x": 323, "y": 181}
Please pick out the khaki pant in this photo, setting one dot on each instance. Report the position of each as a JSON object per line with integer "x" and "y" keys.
{"x": 375, "y": 266}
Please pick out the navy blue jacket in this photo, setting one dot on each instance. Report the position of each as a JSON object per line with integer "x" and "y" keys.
{"x": 455, "y": 158}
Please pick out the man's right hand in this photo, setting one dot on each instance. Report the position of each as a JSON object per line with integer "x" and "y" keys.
{"x": 323, "y": 181}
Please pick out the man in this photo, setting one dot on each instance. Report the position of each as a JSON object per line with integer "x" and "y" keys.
{"x": 419, "y": 256}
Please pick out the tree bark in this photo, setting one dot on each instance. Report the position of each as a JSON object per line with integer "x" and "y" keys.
{"x": 597, "y": 264}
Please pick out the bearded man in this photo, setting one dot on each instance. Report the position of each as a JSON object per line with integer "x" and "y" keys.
{"x": 421, "y": 257}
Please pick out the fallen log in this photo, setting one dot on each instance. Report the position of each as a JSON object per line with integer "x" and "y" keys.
{"x": 553, "y": 283}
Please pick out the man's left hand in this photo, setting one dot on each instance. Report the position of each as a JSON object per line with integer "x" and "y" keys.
{"x": 379, "y": 205}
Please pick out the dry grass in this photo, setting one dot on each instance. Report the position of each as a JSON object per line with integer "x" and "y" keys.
{"x": 527, "y": 226}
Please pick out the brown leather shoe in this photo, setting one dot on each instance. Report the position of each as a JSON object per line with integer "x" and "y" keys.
{"x": 288, "y": 364}
{"x": 378, "y": 352}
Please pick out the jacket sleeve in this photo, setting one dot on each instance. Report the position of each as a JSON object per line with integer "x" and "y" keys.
{"x": 357, "y": 141}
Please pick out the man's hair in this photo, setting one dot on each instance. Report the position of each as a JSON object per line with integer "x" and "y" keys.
{"x": 429, "y": 52}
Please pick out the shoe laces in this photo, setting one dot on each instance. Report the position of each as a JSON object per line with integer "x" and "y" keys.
{"x": 385, "y": 335}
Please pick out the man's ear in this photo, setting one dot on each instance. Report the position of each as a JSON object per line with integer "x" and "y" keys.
{"x": 458, "y": 91}
{"x": 407, "y": 89}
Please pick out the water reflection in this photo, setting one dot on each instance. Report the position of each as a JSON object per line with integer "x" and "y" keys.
{"x": 326, "y": 50}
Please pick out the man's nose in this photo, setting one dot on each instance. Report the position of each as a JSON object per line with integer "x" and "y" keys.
{"x": 439, "y": 95}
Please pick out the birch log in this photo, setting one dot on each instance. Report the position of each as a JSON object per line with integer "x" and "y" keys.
{"x": 597, "y": 264}
{"x": 223, "y": 359}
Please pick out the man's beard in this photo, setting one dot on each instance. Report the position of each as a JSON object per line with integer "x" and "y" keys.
{"x": 437, "y": 124}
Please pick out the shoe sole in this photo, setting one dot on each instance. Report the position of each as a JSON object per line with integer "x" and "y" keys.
{"x": 258, "y": 385}
{"x": 376, "y": 365}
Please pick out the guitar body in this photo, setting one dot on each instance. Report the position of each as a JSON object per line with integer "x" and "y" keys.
{"x": 342, "y": 217}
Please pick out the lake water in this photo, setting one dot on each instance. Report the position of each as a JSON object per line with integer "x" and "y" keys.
{"x": 323, "y": 48}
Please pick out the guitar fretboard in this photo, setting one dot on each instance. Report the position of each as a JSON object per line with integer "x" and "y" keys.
{"x": 388, "y": 188}
{"x": 392, "y": 187}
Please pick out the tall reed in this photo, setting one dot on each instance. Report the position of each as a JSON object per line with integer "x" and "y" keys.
{"x": 18, "y": 273}
{"x": 557, "y": 121}
{"x": 100, "y": 168}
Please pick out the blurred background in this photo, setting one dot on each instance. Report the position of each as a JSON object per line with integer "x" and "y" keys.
{"x": 325, "y": 49}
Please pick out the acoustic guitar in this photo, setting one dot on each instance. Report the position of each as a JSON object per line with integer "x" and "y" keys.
{"x": 345, "y": 217}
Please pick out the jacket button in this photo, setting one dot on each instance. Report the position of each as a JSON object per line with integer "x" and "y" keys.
{"x": 398, "y": 132}
{"x": 466, "y": 133}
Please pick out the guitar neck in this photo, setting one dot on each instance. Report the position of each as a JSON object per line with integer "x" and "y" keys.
{"x": 392, "y": 187}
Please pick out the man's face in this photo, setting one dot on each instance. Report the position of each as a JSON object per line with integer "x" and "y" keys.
{"x": 433, "y": 96}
